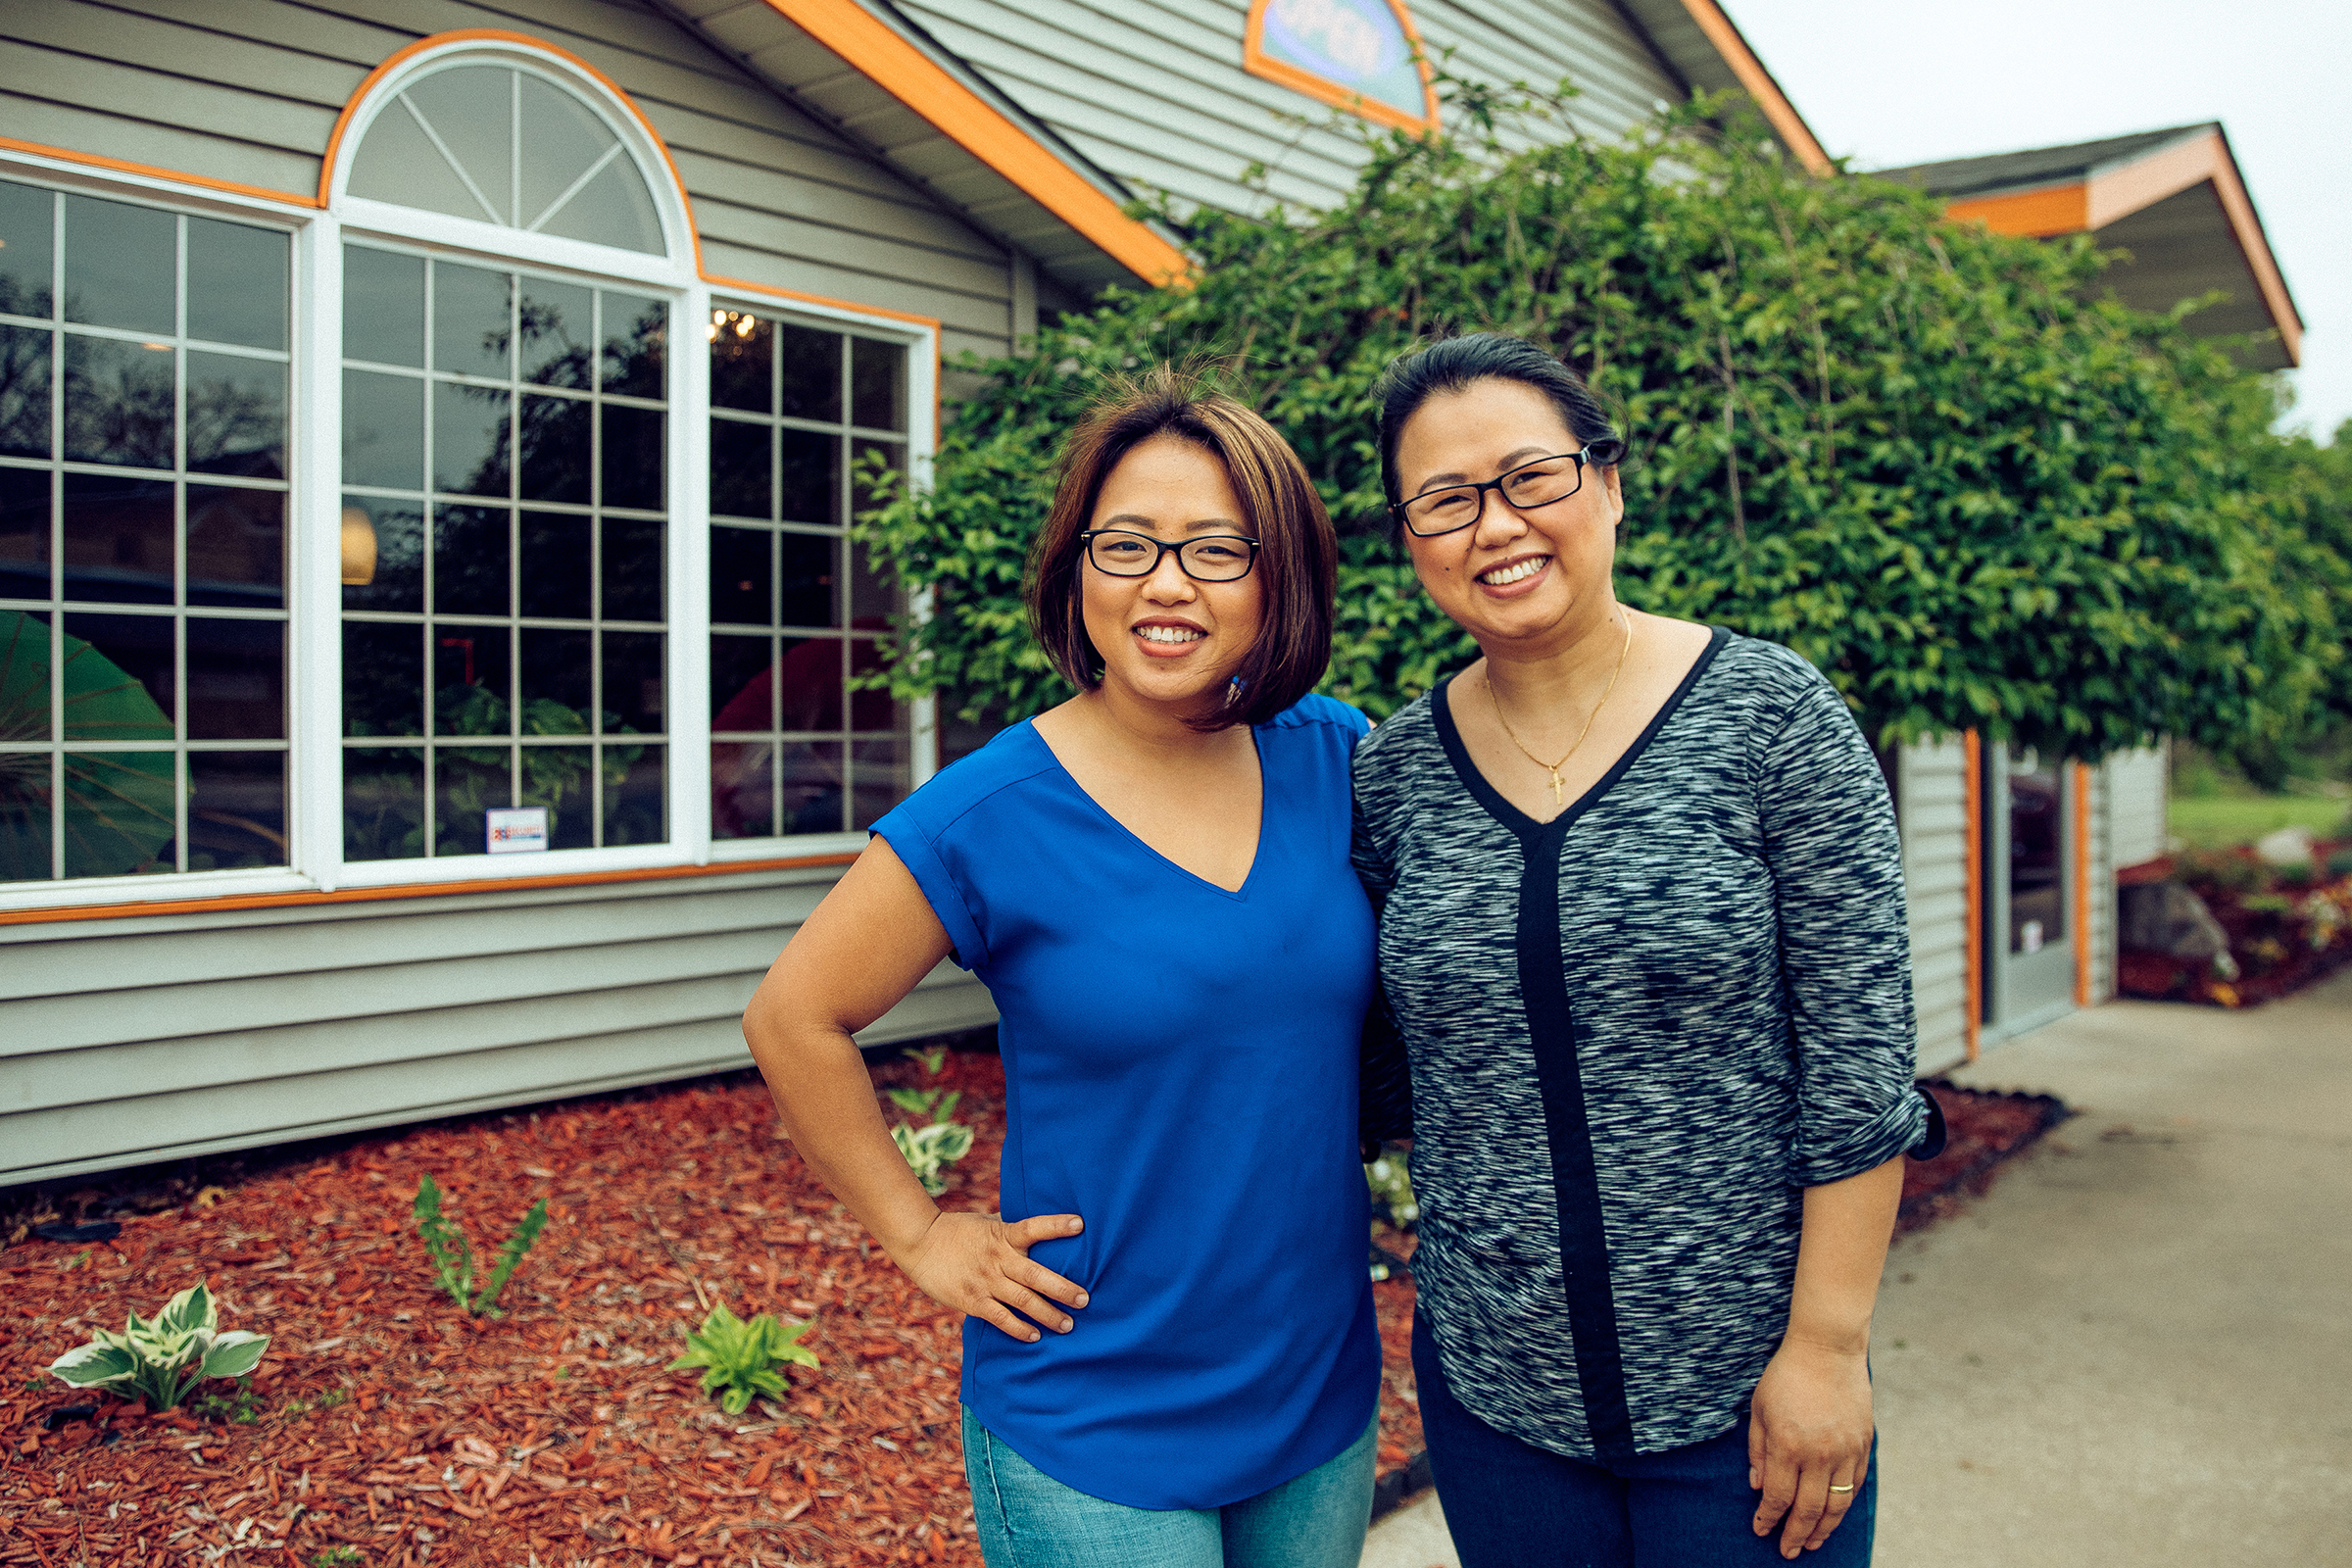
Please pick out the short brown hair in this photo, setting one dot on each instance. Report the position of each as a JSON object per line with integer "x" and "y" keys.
{"x": 1298, "y": 552}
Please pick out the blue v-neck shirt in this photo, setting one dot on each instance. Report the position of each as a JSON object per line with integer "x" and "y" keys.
{"x": 1179, "y": 1070}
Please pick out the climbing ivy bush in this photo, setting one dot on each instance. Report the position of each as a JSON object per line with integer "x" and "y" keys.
{"x": 1930, "y": 459}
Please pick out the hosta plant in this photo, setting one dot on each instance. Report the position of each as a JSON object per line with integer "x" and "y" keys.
{"x": 160, "y": 1359}
{"x": 931, "y": 1149}
{"x": 453, "y": 1255}
{"x": 742, "y": 1358}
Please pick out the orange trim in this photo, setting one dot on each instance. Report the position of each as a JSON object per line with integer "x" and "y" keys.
{"x": 2082, "y": 899}
{"x": 413, "y": 890}
{"x": 911, "y": 76}
{"x": 1256, "y": 61}
{"x": 748, "y": 287}
{"x": 1779, "y": 112}
{"x": 393, "y": 62}
{"x": 2029, "y": 213}
{"x": 1972, "y": 804}
{"x": 122, "y": 166}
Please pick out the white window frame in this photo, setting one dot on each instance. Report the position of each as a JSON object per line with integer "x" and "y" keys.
{"x": 921, "y": 342}
{"x": 145, "y": 190}
{"x": 314, "y": 577}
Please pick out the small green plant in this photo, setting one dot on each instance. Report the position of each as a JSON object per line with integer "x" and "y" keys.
{"x": 742, "y": 1357}
{"x": 938, "y": 1143}
{"x": 160, "y": 1360}
{"x": 1392, "y": 1189}
{"x": 237, "y": 1405}
{"x": 338, "y": 1556}
{"x": 453, "y": 1255}
{"x": 931, "y": 1104}
{"x": 931, "y": 1149}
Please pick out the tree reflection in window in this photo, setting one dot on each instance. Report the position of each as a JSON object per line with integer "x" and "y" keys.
{"x": 505, "y": 643}
{"x": 143, "y": 510}
{"x": 793, "y": 610}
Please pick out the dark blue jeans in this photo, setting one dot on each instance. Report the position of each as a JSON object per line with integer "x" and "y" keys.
{"x": 1510, "y": 1504}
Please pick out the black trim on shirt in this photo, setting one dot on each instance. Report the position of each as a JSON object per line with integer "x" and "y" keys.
{"x": 1553, "y": 1032}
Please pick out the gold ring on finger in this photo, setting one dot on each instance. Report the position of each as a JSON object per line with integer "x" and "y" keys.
{"x": 1842, "y": 1488}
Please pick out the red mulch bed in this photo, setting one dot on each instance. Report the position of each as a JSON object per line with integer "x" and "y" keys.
{"x": 386, "y": 1422}
{"x": 2271, "y": 946}
{"x": 1984, "y": 1130}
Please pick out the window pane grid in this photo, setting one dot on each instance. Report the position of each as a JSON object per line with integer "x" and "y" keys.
{"x": 794, "y": 611}
{"x": 143, "y": 504}
{"x": 504, "y": 644}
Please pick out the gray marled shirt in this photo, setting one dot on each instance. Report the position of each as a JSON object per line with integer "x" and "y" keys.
{"x": 1637, "y": 1033}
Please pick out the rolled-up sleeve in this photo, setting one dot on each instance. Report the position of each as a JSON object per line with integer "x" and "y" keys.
{"x": 1846, "y": 953}
{"x": 942, "y": 889}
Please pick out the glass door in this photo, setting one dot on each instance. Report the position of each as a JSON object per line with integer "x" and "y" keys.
{"x": 2028, "y": 845}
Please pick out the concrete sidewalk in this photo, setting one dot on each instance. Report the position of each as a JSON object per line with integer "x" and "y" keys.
{"x": 2138, "y": 1349}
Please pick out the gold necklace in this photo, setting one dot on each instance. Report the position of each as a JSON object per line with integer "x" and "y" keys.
{"x": 1554, "y": 768}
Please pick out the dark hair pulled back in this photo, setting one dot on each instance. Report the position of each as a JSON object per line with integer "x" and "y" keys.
{"x": 1452, "y": 364}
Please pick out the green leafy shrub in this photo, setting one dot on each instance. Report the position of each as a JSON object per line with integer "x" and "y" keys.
{"x": 453, "y": 1255}
{"x": 1939, "y": 463}
{"x": 160, "y": 1359}
{"x": 741, "y": 1359}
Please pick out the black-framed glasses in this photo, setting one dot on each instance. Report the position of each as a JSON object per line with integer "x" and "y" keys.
{"x": 1209, "y": 558}
{"x": 1540, "y": 483}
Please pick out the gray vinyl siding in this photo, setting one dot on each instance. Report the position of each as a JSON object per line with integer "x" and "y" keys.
{"x": 248, "y": 91}
{"x": 2101, "y": 866}
{"x": 1153, "y": 91}
{"x": 2137, "y": 784}
{"x": 1933, "y": 787}
{"x": 131, "y": 1039}
{"x": 1932, "y": 794}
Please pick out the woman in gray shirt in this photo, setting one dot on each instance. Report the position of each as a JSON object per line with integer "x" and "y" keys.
{"x": 1643, "y": 942}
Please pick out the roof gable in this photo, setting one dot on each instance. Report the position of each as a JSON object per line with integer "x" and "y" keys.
{"x": 2173, "y": 199}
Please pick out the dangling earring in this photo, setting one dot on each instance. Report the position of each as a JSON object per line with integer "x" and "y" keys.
{"x": 1233, "y": 691}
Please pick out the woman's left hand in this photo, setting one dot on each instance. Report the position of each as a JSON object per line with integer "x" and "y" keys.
{"x": 1809, "y": 1430}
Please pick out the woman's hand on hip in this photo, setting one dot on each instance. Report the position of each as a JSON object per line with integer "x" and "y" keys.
{"x": 1808, "y": 1441}
{"x": 979, "y": 1264}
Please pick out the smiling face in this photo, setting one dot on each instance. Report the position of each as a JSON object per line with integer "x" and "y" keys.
{"x": 1164, "y": 638}
{"x": 1521, "y": 578}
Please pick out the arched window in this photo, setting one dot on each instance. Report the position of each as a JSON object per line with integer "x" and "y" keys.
{"x": 504, "y": 144}
{"x": 514, "y": 258}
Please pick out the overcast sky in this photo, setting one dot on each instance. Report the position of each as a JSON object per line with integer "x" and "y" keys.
{"x": 1889, "y": 82}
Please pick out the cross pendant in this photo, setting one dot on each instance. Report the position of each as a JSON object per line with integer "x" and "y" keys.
{"x": 1555, "y": 787}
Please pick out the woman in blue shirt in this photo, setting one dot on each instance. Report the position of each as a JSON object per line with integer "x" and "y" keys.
{"x": 1170, "y": 1357}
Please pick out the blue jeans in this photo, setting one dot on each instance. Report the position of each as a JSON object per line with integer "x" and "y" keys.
{"x": 1510, "y": 1504}
{"x": 1027, "y": 1519}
